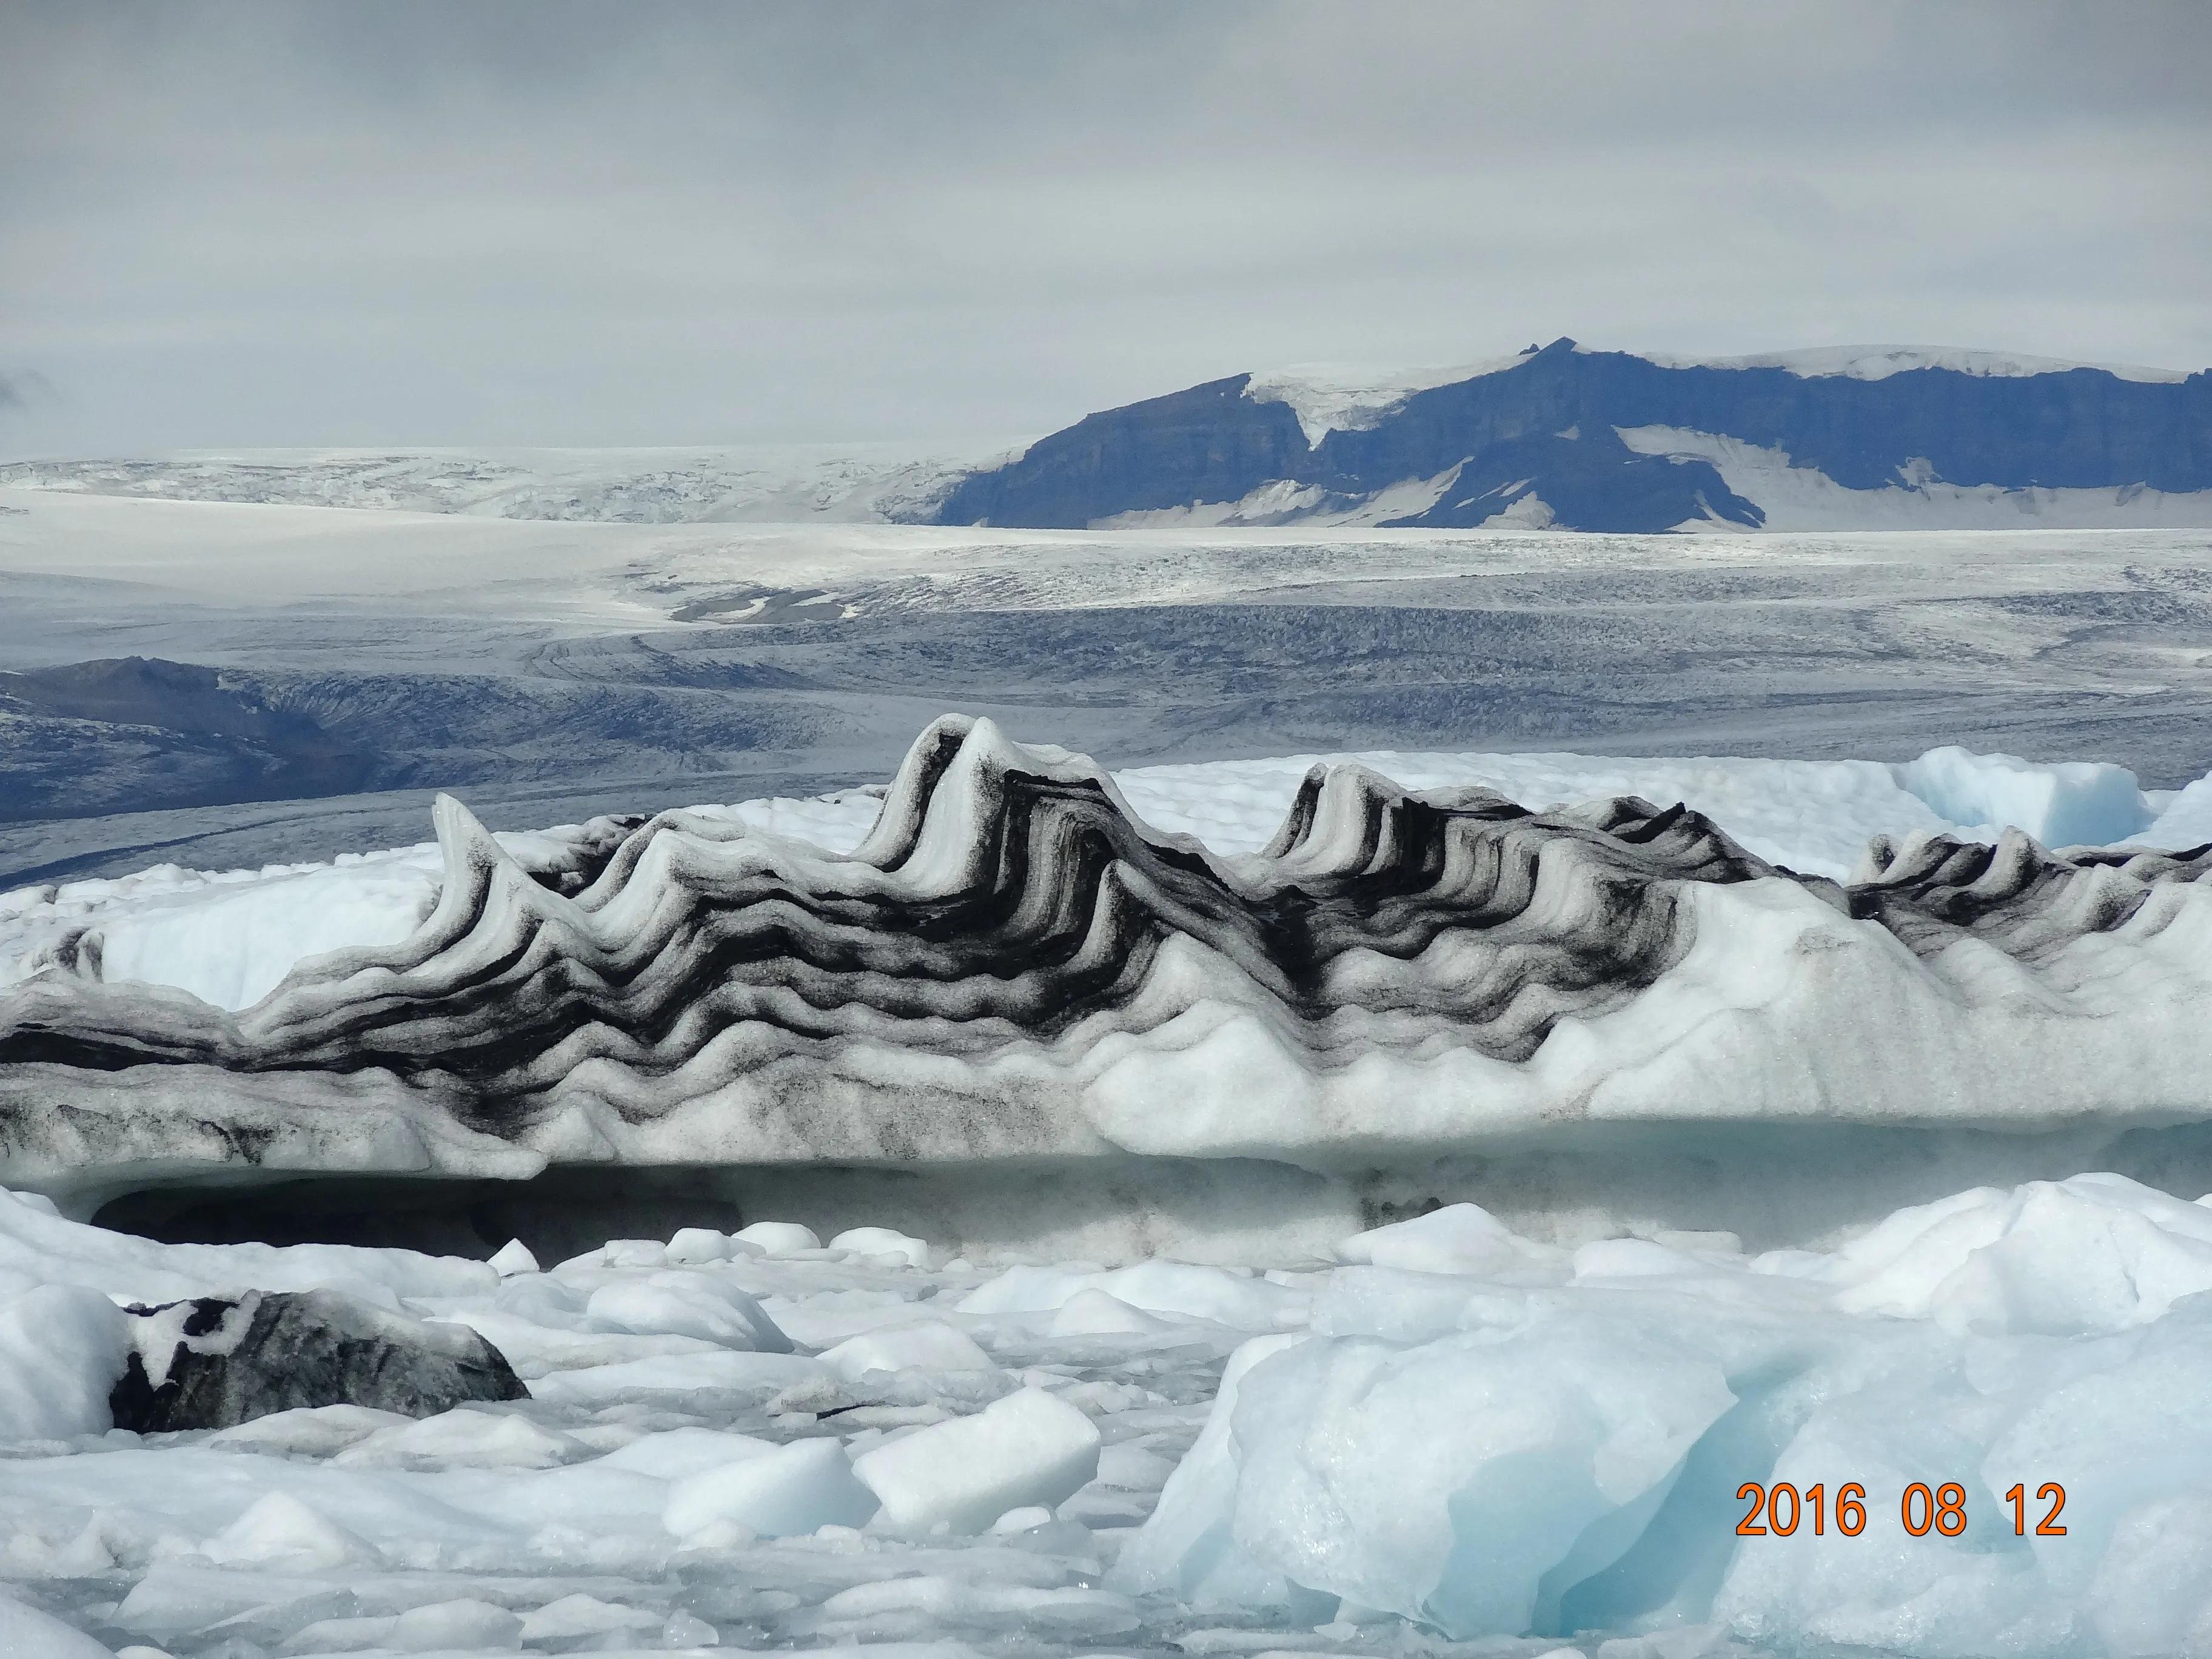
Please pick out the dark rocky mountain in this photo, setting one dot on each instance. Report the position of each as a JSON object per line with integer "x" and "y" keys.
{"x": 1546, "y": 429}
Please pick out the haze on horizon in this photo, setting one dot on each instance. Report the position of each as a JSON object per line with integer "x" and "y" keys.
{"x": 322, "y": 224}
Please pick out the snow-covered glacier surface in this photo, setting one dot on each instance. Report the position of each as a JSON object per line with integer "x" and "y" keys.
{"x": 1433, "y": 1436}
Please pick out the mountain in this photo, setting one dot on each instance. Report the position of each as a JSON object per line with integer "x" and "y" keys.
{"x": 1851, "y": 438}
{"x": 1607, "y": 441}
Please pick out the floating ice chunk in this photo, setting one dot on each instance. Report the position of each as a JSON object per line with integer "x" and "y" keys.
{"x": 1460, "y": 1238}
{"x": 279, "y": 1530}
{"x": 916, "y": 1608}
{"x": 440, "y": 1626}
{"x": 1094, "y": 1312}
{"x": 1025, "y": 1290}
{"x": 682, "y": 1630}
{"x": 1132, "y": 1467}
{"x": 1223, "y": 1294}
{"x": 675, "y": 1376}
{"x": 1027, "y": 1449}
{"x": 579, "y": 1617}
{"x": 689, "y": 1303}
{"x": 2061, "y": 804}
{"x": 26, "y": 1633}
{"x": 465, "y": 1439}
{"x": 2151, "y": 1596}
{"x": 926, "y": 1345}
{"x": 2185, "y": 821}
{"x": 2092, "y": 1253}
{"x": 776, "y": 1238}
{"x": 1220, "y": 1294}
{"x": 631, "y": 1253}
{"x": 42, "y": 1247}
{"x": 1462, "y": 1481}
{"x": 1187, "y": 1548}
{"x": 695, "y": 1246}
{"x": 173, "y": 1601}
{"x": 514, "y": 1258}
{"x": 882, "y": 1241}
{"x": 61, "y": 1348}
{"x": 784, "y": 1490}
{"x": 679, "y": 1453}
{"x": 307, "y": 1430}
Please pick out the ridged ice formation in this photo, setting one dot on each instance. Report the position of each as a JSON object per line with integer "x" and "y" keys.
{"x": 1013, "y": 965}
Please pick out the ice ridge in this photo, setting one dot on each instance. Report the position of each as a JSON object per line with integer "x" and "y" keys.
{"x": 1013, "y": 966}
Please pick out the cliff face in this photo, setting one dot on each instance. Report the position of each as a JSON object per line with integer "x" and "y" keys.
{"x": 1547, "y": 427}
{"x": 1210, "y": 443}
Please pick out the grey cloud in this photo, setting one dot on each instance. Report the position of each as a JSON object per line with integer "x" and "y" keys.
{"x": 24, "y": 391}
{"x": 322, "y": 222}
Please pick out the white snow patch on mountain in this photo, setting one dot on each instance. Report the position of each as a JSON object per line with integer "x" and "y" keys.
{"x": 1349, "y": 397}
{"x": 1804, "y": 498}
{"x": 1354, "y": 398}
{"x": 1878, "y": 362}
{"x": 1283, "y": 501}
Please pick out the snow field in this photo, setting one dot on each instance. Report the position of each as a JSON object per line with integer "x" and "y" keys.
{"x": 1443, "y": 1431}
{"x": 229, "y": 937}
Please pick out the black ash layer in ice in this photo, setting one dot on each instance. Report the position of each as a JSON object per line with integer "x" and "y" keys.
{"x": 1013, "y": 966}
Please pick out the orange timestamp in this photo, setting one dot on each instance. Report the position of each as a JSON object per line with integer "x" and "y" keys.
{"x": 1778, "y": 1510}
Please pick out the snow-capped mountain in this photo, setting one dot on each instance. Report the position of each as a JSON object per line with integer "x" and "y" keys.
{"x": 1560, "y": 436}
{"x": 1865, "y": 437}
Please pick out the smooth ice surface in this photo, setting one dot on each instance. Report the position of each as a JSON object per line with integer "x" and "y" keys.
{"x": 1443, "y": 1433}
{"x": 796, "y": 1488}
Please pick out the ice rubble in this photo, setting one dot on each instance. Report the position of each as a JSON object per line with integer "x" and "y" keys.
{"x": 1444, "y": 1431}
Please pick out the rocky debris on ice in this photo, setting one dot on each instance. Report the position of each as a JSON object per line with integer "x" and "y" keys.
{"x": 213, "y": 1364}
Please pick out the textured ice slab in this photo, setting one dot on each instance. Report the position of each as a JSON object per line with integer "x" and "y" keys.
{"x": 1013, "y": 966}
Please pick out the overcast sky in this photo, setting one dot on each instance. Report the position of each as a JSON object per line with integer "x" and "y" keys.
{"x": 489, "y": 223}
